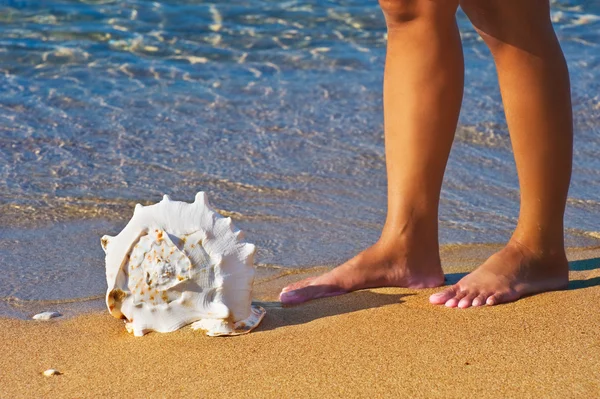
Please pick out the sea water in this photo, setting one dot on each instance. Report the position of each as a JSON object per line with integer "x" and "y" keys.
{"x": 271, "y": 107}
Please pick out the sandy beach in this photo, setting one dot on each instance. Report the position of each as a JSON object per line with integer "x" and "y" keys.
{"x": 276, "y": 111}
{"x": 374, "y": 343}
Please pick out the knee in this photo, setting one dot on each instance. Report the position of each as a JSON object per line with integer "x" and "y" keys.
{"x": 398, "y": 12}
{"x": 509, "y": 22}
{"x": 487, "y": 18}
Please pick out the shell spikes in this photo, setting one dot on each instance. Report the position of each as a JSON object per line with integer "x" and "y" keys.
{"x": 177, "y": 263}
{"x": 105, "y": 240}
{"x": 201, "y": 198}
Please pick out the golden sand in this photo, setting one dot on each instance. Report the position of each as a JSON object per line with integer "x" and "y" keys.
{"x": 372, "y": 343}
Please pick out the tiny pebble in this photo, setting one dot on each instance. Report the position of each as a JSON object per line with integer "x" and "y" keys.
{"x": 51, "y": 372}
{"x": 46, "y": 315}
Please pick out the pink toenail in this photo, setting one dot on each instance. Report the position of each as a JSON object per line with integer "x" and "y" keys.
{"x": 288, "y": 296}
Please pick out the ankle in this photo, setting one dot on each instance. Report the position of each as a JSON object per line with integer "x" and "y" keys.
{"x": 408, "y": 245}
{"x": 538, "y": 249}
{"x": 410, "y": 232}
{"x": 539, "y": 241}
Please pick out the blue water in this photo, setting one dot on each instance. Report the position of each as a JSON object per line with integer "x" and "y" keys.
{"x": 272, "y": 107}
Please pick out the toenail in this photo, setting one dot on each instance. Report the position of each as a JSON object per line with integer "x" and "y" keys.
{"x": 288, "y": 295}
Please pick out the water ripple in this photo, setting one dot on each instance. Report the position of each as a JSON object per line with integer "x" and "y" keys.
{"x": 273, "y": 107}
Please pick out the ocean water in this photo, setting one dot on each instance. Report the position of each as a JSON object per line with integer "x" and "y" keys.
{"x": 272, "y": 107}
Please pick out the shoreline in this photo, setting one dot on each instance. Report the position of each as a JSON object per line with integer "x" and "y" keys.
{"x": 269, "y": 279}
{"x": 377, "y": 342}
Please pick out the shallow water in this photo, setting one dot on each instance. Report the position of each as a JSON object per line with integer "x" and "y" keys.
{"x": 273, "y": 108}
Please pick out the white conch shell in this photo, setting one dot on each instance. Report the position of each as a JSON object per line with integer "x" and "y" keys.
{"x": 177, "y": 263}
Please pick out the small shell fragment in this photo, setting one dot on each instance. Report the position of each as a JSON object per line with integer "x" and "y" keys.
{"x": 51, "y": 372}
{"x": 46, "y": 315}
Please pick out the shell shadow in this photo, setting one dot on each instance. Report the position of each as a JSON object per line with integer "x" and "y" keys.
{"x": 576, "y": 265}
{"x": 279, "y": 315}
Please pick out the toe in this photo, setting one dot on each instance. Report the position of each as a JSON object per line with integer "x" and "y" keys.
{"x": 467, "y": 301}
{"x": 501, "y": 297}
{"x": 452, "y": 303}
{"x": 479, "y": 300}
{"x": 309, "y": 292}
{"x": 458, "y": 296}
{"x": 292, "y": 297}
{"x": 492, "y": 300}
{"x": 298, "y": 284}
{"x": 443, "y": 296}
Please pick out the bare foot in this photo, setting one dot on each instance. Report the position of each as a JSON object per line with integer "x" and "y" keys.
{"x": 382, "y": 265}
{"x": 511, "y": 273}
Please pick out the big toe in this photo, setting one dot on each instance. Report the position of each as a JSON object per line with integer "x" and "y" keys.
{"x": 443, "y": 296}
{"x": 298, "y": 284}
{"x": 304, "y": 294}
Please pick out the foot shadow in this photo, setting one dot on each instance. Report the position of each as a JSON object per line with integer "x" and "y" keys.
{"x": 453, "y": 278}
{"x": 279, "y": 315}
{"x": 584, "y": 265}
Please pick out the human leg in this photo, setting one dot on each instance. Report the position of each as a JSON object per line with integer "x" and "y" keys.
{"x": 534, "y": 83}
{"x": 423, "y": 84}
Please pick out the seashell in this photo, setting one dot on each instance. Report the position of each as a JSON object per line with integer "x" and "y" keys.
{"x": 177, "y": 263}
{"x": 51, "y": 372}
{"x": 46, "y": 315}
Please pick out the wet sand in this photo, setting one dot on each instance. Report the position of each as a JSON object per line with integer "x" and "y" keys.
{"x": 373, "y": 343}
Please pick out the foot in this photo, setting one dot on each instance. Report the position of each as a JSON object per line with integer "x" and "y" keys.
{"x": 382, "y": 265}
{"x": 506, "y": 276}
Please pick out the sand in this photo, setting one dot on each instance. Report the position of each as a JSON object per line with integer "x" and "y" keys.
{"x": 372, "y": 343}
